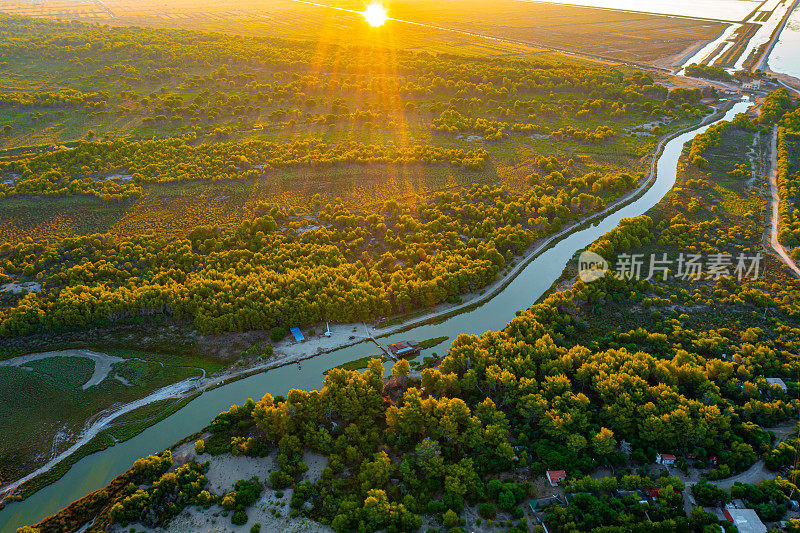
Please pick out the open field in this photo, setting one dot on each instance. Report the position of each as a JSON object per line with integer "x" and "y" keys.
{"x": 47, "y": 406}
{"x": 172, "y": 104}
{"x": 522, "y": 25}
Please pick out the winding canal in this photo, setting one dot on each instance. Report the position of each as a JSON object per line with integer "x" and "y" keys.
{"x": 96, "y": 470}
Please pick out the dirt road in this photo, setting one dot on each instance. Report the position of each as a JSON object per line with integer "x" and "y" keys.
{"x": 773, "y": 188}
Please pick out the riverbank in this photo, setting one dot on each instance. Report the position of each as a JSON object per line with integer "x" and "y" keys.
{"x": 473, "y": 301}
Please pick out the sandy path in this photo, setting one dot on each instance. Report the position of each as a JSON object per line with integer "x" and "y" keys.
{"x": 753, "y": 475}
{"x": 773, "y": 188}
{"x": 102, "y": 362}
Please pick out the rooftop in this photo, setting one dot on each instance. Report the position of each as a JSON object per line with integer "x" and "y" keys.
{"x": 555, "y": 476}
{"x": 745, "y": 520}
{"x": 404, "y": 347}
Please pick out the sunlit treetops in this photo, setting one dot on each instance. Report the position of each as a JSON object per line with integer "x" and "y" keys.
{"x": 280, "y": 268}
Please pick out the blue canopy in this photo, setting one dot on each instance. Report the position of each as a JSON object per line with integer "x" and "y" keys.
{"x": 297, "y": 335}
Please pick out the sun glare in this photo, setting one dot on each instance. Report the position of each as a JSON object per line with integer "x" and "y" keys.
{"x": 375, "y": 14}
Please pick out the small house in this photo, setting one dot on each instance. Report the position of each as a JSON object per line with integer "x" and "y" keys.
{"x": 556, "y": 476}
{"x": 543, "y": 503}
{"x": 666, "y": 459}
{"x": 404, "y": 348}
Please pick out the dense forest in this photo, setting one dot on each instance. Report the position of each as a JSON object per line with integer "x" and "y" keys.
{"x": 285, "y": 269}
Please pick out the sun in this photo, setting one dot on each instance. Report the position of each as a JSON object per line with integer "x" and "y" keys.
{"x": 375, "y": 15}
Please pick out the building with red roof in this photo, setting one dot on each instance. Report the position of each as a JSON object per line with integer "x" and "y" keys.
{"x": 556, "y": 476}
{"x": 665, "y": 459}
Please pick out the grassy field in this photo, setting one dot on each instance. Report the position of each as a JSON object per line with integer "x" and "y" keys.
{"x": 47, "y": 405}
{"x": 626, "y": 36}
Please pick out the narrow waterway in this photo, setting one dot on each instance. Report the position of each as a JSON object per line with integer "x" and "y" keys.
{"x": 98, "y": 469}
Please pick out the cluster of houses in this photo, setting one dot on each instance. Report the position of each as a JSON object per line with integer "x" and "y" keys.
{"x": 746, "y": 520}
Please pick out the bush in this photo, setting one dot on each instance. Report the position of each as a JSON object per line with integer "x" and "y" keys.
{"x": 200, "y": 447}
{"x": 278, "y": 333}
{"x": 248, "y": 491}
{"x": 255, "y": 528}
{"x": 280, "y": 479}
{"x": 450, "y": 519}
{"x": 239, "y": 517}
{"x": 487, "y": 510}
{"x": 506, "y": 500}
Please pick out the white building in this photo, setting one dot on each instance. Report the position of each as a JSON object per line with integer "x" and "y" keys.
{"x": 745, "y": 520}
{"x": 665, "y": 459}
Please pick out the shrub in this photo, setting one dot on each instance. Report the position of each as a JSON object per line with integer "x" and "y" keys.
{"x": 278, "y": 333}
{"x": 280, "y": 479}
{"x": 487, "y": 510}
{"x": 450, "y": 519}
{"x": 506, "y": 500}
{"x": 239, "y": 517}
{"x": 200, "y": 447}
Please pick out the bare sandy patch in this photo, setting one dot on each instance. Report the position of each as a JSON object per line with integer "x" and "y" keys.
{"x": 17, "y": 287}
{"x": 212, "y": 520}
{"x": 226, "y": 470}
{"x": 315, "y": 462}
